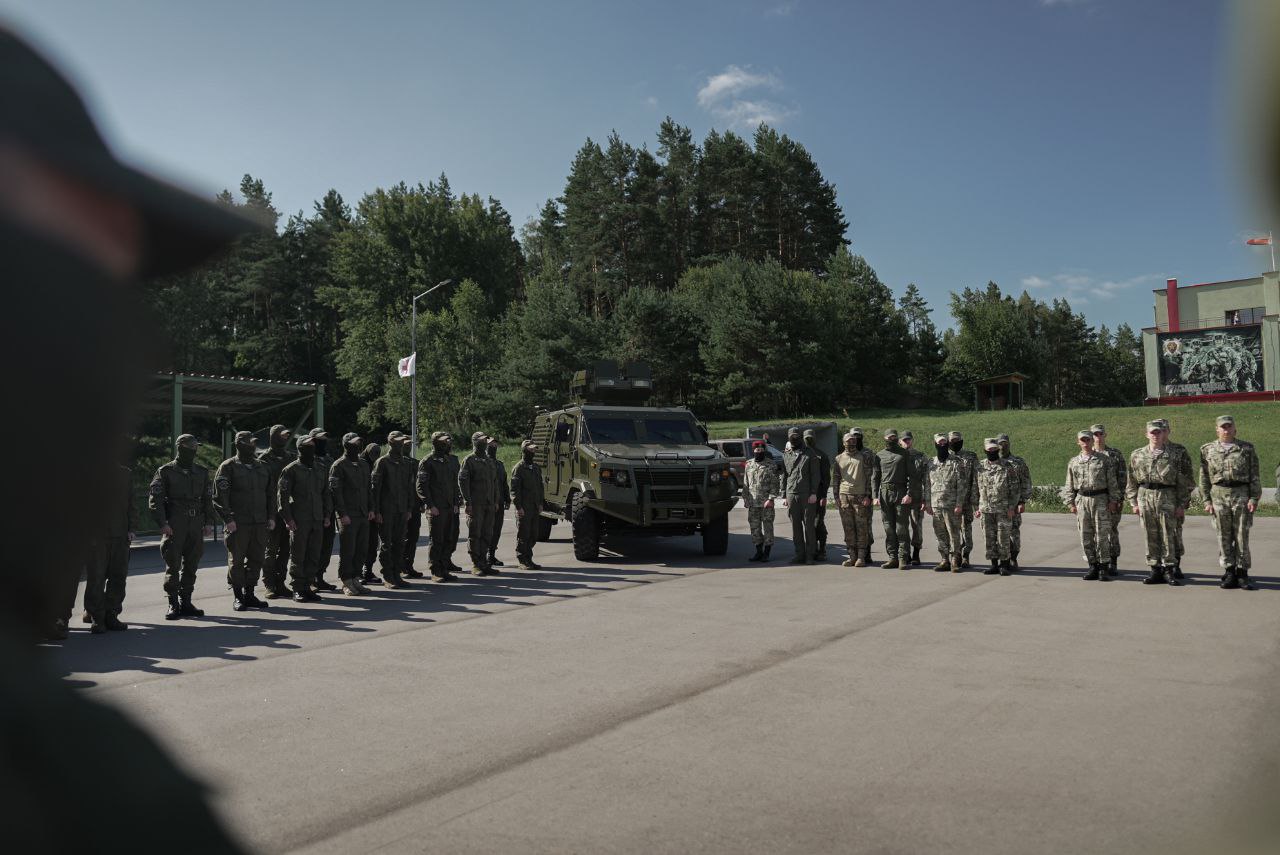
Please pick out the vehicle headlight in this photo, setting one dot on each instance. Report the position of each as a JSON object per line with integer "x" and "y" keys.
{"x": 714, "y": 478}
{"x": 622, "y": 478}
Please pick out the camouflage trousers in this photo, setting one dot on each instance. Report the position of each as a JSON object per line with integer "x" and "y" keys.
{"x": 1115, "y": 532}
{"x": 1156, "y": 509}
{"x": 1178, "y": 549}
{"x": 998, "y": 529}
{"x": 968, "y": 533}
{"x": 855, "y": 519}
{"x": 1093, "y": 521}
{"x": 948, "y": 529}
{"x": 1232, "y": 521}
{"x": 1015, "y": 535}
{"x": 761, "y": 521}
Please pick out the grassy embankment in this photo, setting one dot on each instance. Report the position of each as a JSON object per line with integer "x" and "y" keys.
{"x": 1047, "y": 438}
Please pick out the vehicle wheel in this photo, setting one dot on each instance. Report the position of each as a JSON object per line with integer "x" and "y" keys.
{"x": 586, "y": 530}
{"x": 544, "y": 529}
{"x": 715, "y": 537}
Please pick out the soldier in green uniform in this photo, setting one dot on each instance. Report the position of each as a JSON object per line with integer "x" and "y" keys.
{"x": 1092, "y": 491}
{"x": 370, "y": 455}
{"x": 851, "y": 474}
{"x": 108, "y": 566}
{"x": 956, "y": 443}
{"x": 1099, "y": 433}
{"x": 242, "y": 497}
{"x": 527, "y": 496}
{"x": 998, "y": 496}
{"x": 1184, "y": 460}
{"x": 181, "y": 502}
{"x": 824, "y": 487}
{"x": 303, "y": 496}
{"x": 801, "y": 490}
{"x": 1231, "y": 485}
{"x": 500, "y": 473}
{"x": 896, "y": 485}
{"x": 1024, "y": 488}
{"x": 350, "y": 490}
{"x": 437, "y": 489}
{"x": 949, "y": 488}
{"x": 325, "y": 461}
{"x": 760, "y": 488}
{"x": 1158, "y": 490}
{"x": 915, "y": 514}
{"x": 413, "y": 527}
{"x": 391, "y": 507}
{"x": 476, "y": 483}
{"x": 275, "y": 561}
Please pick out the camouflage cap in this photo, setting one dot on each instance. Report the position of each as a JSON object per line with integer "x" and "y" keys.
{"x": 855, "y": 431}
{"x": 318, "y": 432}
{"x": 188, "y": 440}
{"x": 395, "y": 434}
{"x": 955, "y": 434}
{"x": 890, "y": 432}
{"x": 852, "y": 435}
{"x": 477, "y": 436}
{"x": 906, "y": 434}
{"x": 305, "y": 439}
{"x": 1084, "y": 434}
{"x": 990, "y": 443}
{"x": 1002, "y": 437}
{"x": 808, "y": 432}
{"x": 1154, "y": 424}
{"x": 939, "y": 437}
{"x": 350, "y": 437}
{"x": 244, "y": 436}
{"x": 795, "y": 431}
{"x": 527, "y": 445}
{"x": 1226, "y": 420}
{"x": 438, "y": 435}
{"x": 1098, "y": 429}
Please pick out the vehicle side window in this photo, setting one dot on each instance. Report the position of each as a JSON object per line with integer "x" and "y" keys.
{"x": 733, "y": 449}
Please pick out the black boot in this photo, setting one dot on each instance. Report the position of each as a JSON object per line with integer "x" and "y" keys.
{"x": 1177, "y": 572}
{"x": 175, "y": 608}
{"x": 189, "y": 610}
{"x": 1242, "y": 577}
{"x": 768, "y": 547}
{"x": 1229, "y": 579}
{"x": 915, "y": 555}
{"x": 1156, "y": 577}
{"x": 322, "y": 585}
{"x": 252, "y": 601}
{"x": 1111, "y": 568}
{"x": 494, "y": 562}
{"x": 1172, "y": 577}
{"x": 759, "y": 556}
{"x": 237, "y": 602}
{"x": 1095, "y": 572}
{"x": 1006, "y": 567}
{"x": 992, "y": 570}
{"x": 820, "y": 554}
{"x": 1013, "y": 559}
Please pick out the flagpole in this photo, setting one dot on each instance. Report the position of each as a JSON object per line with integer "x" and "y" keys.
{"x": 413, "y": 355}
{"x": 1272, "y": 245}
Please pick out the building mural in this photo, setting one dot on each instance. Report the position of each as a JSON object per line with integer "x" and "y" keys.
{"x": 1211, "y": 362}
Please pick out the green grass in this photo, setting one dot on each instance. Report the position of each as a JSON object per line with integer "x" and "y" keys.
{"x": 1047, "y": 438}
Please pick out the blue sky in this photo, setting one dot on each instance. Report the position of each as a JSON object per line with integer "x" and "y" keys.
{"x": 1079, "y": 148}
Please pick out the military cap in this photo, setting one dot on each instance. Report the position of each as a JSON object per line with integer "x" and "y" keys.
{"x": 350, "y": 437}
{"x": 477, "y": 436}
{"x": 1002, "y": 437}
{"x": 1154, "y": 424}
{"x": 395, "y": 434}
{"x": 306, "y": 439}
{"x": 438, "y": 435}
{"x": 955, "y": 434}
{"x": 990, "y": 442}
{"x": 906, "y": 434}
{"x": 188, "y": 439}
{"x": 809, "y": 432}
{"x": 855, "y": 431}
{"x": 1226, "y": 420}
{"x": 852, "y": 434}
{"x": 890, "y": 432}
{"x": 795, "y": 431}
{"x": 244, "y": 436}
{"x": 1098, "y": 429}
{"x": 1084, "y": 434}
{"x": 493, "y": 440}
{"x": 759, "y": 443}
{"x": 527, "y": 445}
{"x": 939, "y": 437}
{"x": 318, "y": 432}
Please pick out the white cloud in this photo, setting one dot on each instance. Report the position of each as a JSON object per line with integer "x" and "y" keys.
{"x": 783, "y": 10}
{"x": 728, "y": 96}
{"x": 1080, "y": 288}
{"x": 651, "y": 101}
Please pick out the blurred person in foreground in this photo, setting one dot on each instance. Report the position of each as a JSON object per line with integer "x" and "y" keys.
{"x": 78, "y": 230}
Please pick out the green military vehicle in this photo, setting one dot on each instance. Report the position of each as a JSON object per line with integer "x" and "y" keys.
{"x": 613, "y": 465}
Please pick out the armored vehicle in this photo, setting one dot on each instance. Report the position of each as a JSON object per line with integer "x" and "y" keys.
{"x": 613, "y": 465}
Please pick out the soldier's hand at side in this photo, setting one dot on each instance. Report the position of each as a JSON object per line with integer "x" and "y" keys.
{"x": 876, "y": 502}
{"x": 208, "y": 531}
{"x": 468, "y": 510}
{"x": 371, "y": 516}
{"x": 906, "y": 500}
{"x": 813, "y": 498}
{"x": 1112, "y": 508}
{"x": 345, "y": 520}
{"x": 435, "y": 512}
{"x": 866, "y": 502}
{"x": 230, "y": 528}
{"x": 1073, "y": 508}
{"x": 957, "y": 510}
{"x": 977, "y": 514}
{"x": 271, "y": 525}
{"x": 519, "y": 514}
{"x": 1136, "y": 511}
{"x": 1011, "y": 513}
{"x": 1179, "y": 512}
{"x": 1020, "y": 508}
{"x": 768, "y": 503}
{"x": 291, "y": 525}
{"x": 324, "y": 523}
{"x": 166, "y": 530}
{"x": 928, "y": 510}
{"x": 1252, "y": 506}
{"x": 822, "y": 502}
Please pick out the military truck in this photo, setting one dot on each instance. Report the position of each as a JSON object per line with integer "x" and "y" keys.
{"x": 613, "y": 465}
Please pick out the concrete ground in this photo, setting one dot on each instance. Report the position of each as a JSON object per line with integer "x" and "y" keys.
{"x": 660, "y": 701}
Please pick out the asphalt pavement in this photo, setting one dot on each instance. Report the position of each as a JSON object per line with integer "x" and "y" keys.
{"x": 660, "y": 701}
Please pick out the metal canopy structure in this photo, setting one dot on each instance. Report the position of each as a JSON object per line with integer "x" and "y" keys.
{"x": 233, "y": 400}
{"x": 1002, "y": 392}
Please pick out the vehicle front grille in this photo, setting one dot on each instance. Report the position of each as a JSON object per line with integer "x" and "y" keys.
{"x": 670, "y": 477}
{"x": 675, "y": 495}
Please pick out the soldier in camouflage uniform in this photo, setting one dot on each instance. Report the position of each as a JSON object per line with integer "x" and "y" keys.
{"x": 956, "y": 443}
{"x": 1184, "y": 459}
{"x": 998, "y": 496}
{"x": 1157, "y": 491}
{"x": 915, "y": 514}
{"x": 851, "y": 475}
{"x": 392, "y": 501}
{"x": 760, "y": 487}
{"x": 181, "y": 502}
{"x": 897, "y": 485}
{"x": 275, "y": 561}
{"x": 1024, "y": 485}
{"x": 1231, "y": 486}
{"x": 1099, "y": 433}
{"x": 307, "y": 507}
{"x": 949, "y": 488}
{"x": 437, "y": 490}
{"x": 350, "y": 491}
{"x": 527, "y": 494}
{"x": 1092, "y": 491}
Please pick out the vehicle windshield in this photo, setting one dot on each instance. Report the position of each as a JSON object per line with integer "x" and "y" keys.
{"x": 605, "y": 429}
{"x": 681, "y": 431}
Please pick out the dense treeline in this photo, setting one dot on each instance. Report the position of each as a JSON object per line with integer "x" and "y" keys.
{"x": 724, "y": 265}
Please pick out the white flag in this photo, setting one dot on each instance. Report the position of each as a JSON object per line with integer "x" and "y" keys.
{"x": 409, "y": 365}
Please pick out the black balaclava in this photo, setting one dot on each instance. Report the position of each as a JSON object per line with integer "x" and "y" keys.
{"x": 493, "y": 450}
{"x": 527, "y": 454}
{"x": 307, "y": 453}
{"x": 441, "y": 446}
{"x": 481, "y": 448}
{"x": 1005, "y": 450}
{"x": 858, "y": 439}
{"x": 277, "y": 438}
{"x": 794, "y": 439}
{"x": 956, "y": 445}
{"x": 351, "y": 450}
{"x": 943, "y": 451}
{"x": 245, "y": 450}
{"x": 186, "y": 456}
{"x": 993, "y": 454}
{"x": 759, "y": 453}
{"x": 321, "y": 443}
{"x": 809, "y": 441}
{"x": 890, "y": 442}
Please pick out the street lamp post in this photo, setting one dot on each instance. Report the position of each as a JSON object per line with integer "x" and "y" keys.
{"x": 413, "y": 378}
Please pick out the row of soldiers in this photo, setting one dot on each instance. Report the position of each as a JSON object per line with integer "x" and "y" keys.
{"x": 282, "y": 510}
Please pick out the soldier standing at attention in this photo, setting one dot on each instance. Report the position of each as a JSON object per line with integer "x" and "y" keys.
{"x": 760, "y": 487}
{"x": 956, "y": 443}
{"x": 307, "y": 508}
{"x": 894, "y": 485}
{"x": 500, "y": 472}
{"x": 527, "y": 496}
{"x": 998, "y": 496}
{"x": 1158, "y": 489}
{"x": 1024, "y": 487}
{"x": 1232, "y": 487}
{"x": 275, "y": 562}
{"x": 1092, "y": 491}
{"x": 350, "y": 489}
{"x": 1184, "y": 461}
{"x": 824, "y": 486}
{"x": 915, "y": 514}
{"x": 949, "y": 489}
{"x": 325, "y": 461}
{"x": 108, "y": 565}
{"x": 181, "y": 502}
{"x": 851, "y": 479}
{"x": 412, "y": 528}
{"x": 370, "y": 455}
{"x": 1099, "y": 433}
{"x": 437, "y": 489}
{"x": 390, "y": 499}
{"x": 242, "y": 497}
{"x": 476, "y": 483}
{"x": 802, "y": 496}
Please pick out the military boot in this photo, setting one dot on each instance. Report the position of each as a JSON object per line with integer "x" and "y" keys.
{"x": 114, "y": 624}
{"x": 992, "y": 570}
{"x": 768, "y": 547}
{"x": 915, "y": 555}
{"x": 237, "y": 599}
{"x": 820, "y": 554}
{"x": 1013, "y": 559}
{"x": 250, "y": 600}
{"x": 1156, "y": 576}
{"x": 1242, "y": 577}
{"x": 1229, "y": 579}
{"x": 410, "y": 573}
{"x": 1095, "y": 572}
{"x": 97, "y": 627}
{"x": 759, "y": 556}
{"x": 187, "y": 609}
{"x": 866, "y": 556}
{"x": 1111, "y": 568}
{"x": 321, "y": 584}
{"x": 1171, "y": 578}
{"x": 369, "y": 577}
{"x": 891, "y": 564}
{"x": 1177, "y": 571}
{"x": 175, "y": 608}
{"x": 58, "y": 631}
{"x": 86, "y": 617}
{"x": 1006, "y": 567}
{"x": 494, "y": 561}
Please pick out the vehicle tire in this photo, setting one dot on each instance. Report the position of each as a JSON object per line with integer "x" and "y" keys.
{"x": 586, "y": 530}
{"x": 715, "y": 536}
{"x": 544, "y": 529}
